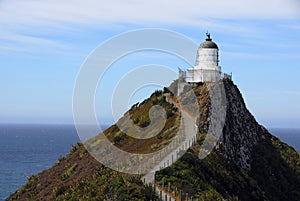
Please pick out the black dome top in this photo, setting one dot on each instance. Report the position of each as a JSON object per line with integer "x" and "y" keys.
{"x": 208, "y": 43}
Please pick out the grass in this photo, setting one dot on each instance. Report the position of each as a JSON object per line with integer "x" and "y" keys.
{"x": 275, "y": 172}
{"x": 69, "y": 172}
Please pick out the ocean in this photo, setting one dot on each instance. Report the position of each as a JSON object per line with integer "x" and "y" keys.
{"x": 30, "y": 149}
{"x": 291, "y": 136}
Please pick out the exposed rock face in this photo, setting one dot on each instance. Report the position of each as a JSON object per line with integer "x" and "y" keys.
{"x": 249, "y": 164}
{"x": 241, "y": 132}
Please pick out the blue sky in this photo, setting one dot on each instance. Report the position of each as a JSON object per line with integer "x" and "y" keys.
{"x": 44, "y": 43}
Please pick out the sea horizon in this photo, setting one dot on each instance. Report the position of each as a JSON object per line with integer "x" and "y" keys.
{"x": 32, "y": 148}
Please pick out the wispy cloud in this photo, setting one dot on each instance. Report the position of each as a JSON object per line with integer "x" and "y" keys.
{"x": 18, "y": 18}
{"x": 244, "y": 55}
{"x": 14, "y": 42}
{"x": 291, "y": 26}
{"x": 135, "y": 11}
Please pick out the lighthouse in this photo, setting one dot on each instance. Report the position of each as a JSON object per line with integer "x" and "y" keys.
{"x": 207, "y": 67}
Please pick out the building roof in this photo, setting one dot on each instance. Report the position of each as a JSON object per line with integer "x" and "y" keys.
{"x": 208, "y": 43}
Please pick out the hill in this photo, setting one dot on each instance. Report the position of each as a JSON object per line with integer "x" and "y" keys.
{"x": 247, "y": 163}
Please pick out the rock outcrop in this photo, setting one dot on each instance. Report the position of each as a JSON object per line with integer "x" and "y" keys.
{"x": 241, "y": 131}
{"x": 246, "y": 163}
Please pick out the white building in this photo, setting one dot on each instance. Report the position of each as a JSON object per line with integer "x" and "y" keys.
{"x": 207, "y": 67}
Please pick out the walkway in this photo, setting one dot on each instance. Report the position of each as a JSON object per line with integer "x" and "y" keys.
{"x": 189, "y": 131}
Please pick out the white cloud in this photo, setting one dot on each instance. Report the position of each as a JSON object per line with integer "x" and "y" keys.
{"x": 136, "y": 11}
{"x": 56, "y": 17}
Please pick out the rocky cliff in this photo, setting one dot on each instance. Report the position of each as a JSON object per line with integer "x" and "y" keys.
{"x": 247, "y": 163}
{"x": 241, "y": 132}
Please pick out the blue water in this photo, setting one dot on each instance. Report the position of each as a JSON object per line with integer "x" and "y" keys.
{"x": 30, "y": 149}
{"x": 291, "y": 136}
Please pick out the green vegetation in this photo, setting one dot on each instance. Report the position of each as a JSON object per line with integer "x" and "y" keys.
{"x": 69, "y": 172}
{"x": 209, "y": 179}
{"x": 99, "y": 183}
{"x": 107, "y": 185}
{"x": 274, "y": 172}
{"x": 276, "y": 169}
{"x": 74, "y": 148}
{"x": 119, "y": 138}
{"x": 28, "y": 187}
{"x": 139, "y": 114}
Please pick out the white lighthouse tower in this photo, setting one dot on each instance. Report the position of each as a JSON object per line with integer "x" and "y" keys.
{"x": 207, "y": 67}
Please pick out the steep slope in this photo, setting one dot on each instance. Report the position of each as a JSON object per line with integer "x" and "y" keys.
{"x": 79, "y": 176}
{"x": 248, "y": 163}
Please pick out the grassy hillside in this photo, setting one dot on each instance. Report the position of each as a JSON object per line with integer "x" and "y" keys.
{"x": 248, "y": 163}
{"x": 275, "y": 174}
{"x": 78, "y": 176}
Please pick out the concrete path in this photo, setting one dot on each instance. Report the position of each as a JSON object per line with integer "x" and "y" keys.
{"x": 189, "y": 130}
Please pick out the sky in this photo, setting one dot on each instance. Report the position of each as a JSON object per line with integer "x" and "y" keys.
{"x": 43, "y": 45}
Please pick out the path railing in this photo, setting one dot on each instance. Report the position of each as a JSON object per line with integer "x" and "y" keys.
{"x": 185, "y": 139}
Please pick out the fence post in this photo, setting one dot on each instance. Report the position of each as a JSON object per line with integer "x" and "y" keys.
{"x": 180, "y": 195}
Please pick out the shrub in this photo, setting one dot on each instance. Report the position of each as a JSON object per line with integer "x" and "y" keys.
{"x": 60, "y": 190}
{"x": 69, "y": 172}
{"x": 119, "y": 138}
